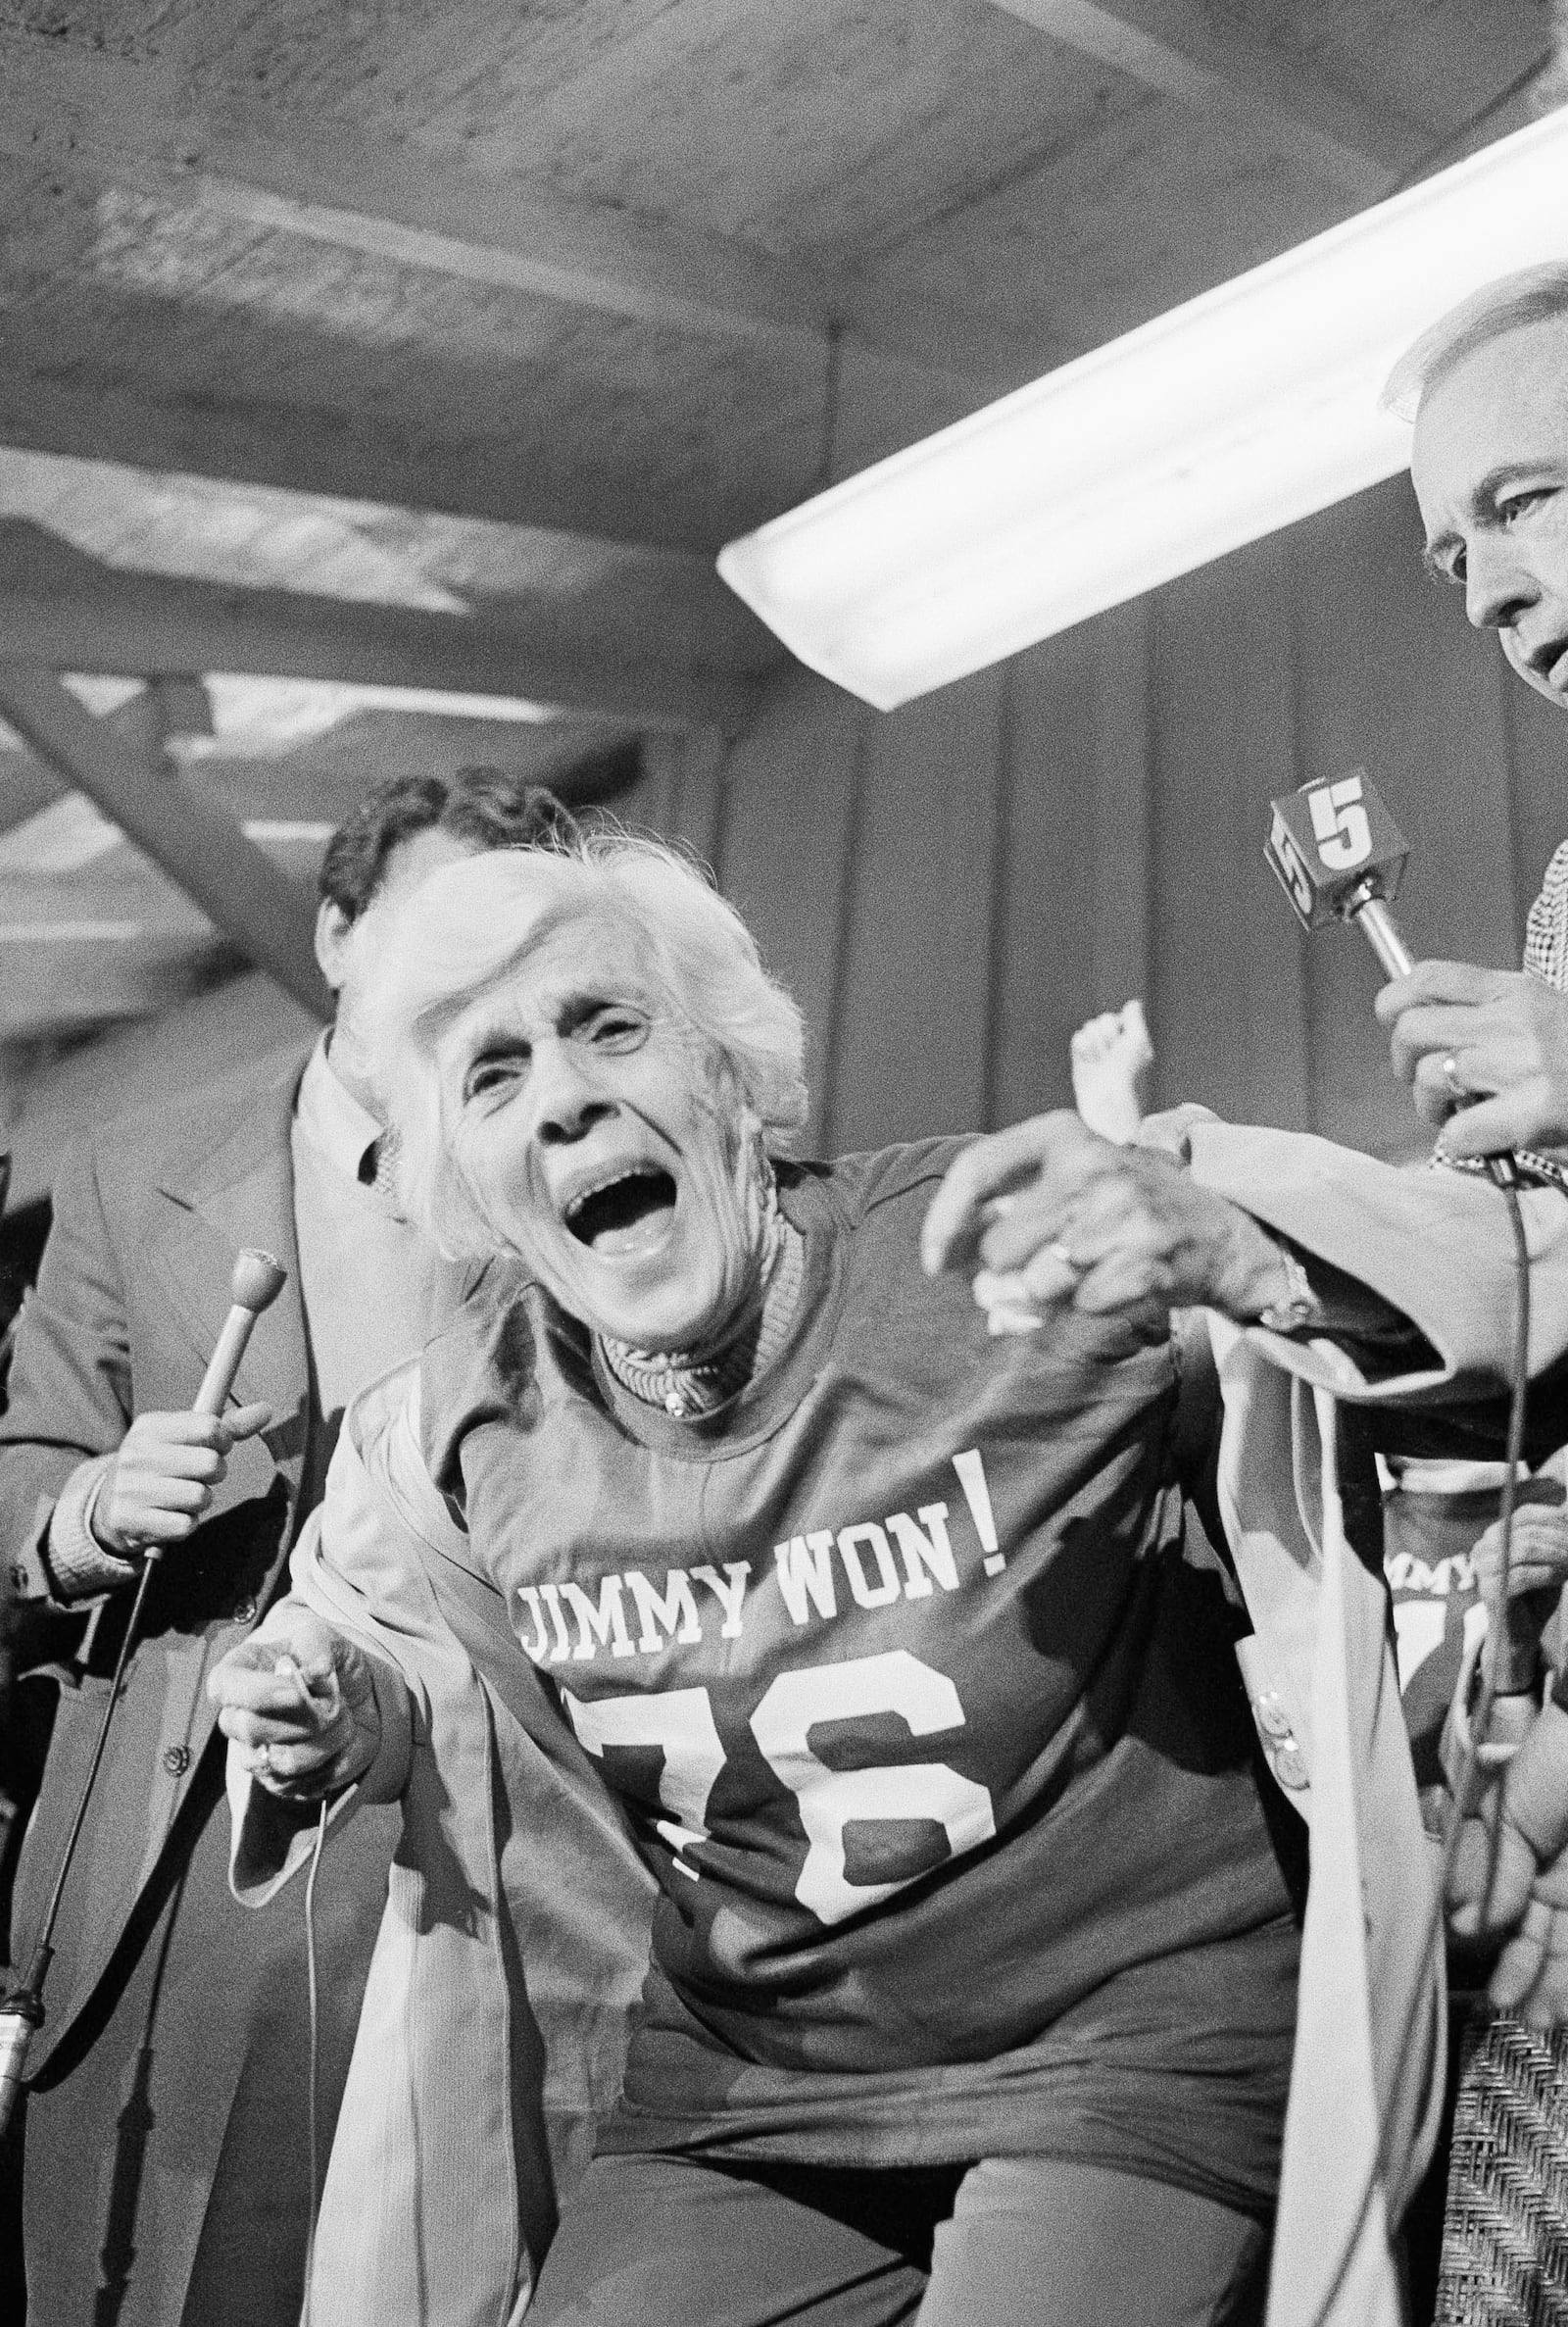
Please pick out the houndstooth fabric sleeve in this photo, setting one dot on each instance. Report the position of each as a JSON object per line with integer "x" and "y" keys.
{"x": 1546, "y": 930}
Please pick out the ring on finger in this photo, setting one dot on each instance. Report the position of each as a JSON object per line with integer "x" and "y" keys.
{"x": 261, "y": 1756}
{"x": 1060, "y": 1252}
{"x": 1458, "y": 1089}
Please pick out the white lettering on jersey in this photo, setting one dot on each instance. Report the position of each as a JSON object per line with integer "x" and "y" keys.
{"x": 562, "y": 1647}
{"x": 885, "y": 1587}
{"x": 675, "y": 1607}
{"x": 919, "y": 1792}
{"x": 804, "y": 1570}
{"x": 972, "y": 1480}
{"x": 932, "y": 1549}
{"x": 539, "y": 1646}
{"x": 729, "y": 1590}
{"x": 680, "y": 1722}
{"x": 803, "y": 1565}
{"x": 606, "y": 1623}
{"x": 1407, "y": 1574}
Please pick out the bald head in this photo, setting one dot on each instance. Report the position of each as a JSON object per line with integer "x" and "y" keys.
{"x": 1489, "y": 465}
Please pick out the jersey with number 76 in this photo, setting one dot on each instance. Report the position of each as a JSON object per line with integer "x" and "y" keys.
{"x": 923, "y": 1711}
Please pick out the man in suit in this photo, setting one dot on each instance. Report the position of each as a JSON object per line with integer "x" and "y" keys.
{"x": 1487, "y": 389}
{"x": 169, "y": 2112}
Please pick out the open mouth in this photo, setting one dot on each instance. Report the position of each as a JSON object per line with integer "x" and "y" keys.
{"x": 628, "y": 1214}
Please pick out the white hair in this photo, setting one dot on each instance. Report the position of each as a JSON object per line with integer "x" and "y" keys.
{"x": 1533, "y": 295}
{"x": 464, "y": 928}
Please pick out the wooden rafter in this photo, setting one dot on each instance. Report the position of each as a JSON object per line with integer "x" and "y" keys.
{"x": 127, "y": 124}
{"x": 1218, "y": 68}
{"x": 24, "y": 789}
{"x": 204, "y": 850}
{"x": 304, "y": 449}
{"x": 142, "y": 624}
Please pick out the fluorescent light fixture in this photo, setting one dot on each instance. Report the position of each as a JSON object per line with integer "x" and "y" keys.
{"x": 1240, "y": 412}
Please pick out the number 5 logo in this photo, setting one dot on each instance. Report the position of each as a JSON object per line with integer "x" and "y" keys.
{"x": 1289, "y": 864}
{"x": 1340, "y": 822}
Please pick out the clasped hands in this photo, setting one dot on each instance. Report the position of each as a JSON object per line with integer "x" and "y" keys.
{"x": 1046, "y": 1214}
{"x": 299, "y": 1701}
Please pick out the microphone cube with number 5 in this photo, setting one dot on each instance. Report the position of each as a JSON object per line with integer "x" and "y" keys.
{"x": 1332, "y": 845}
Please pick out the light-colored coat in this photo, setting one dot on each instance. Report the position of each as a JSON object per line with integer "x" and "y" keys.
{"x": 1370, "y": 2030}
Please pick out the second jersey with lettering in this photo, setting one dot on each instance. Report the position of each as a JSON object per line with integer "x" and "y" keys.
{"x": 926, "y": 1722}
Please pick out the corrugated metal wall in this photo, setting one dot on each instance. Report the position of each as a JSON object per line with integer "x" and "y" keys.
{"x": 950, "y": 890}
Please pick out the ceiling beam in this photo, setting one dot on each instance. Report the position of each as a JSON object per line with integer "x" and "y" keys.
{"x": 1218, "y": 68}
{"x": 304, "y": 448}
{"x": 202, "y": 850}
{"x": 24, "y": 789}
{"x": 129, "y": 124}
{"x": 143, "y": 624}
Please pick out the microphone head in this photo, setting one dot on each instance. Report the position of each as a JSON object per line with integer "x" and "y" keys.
{"x": 1332, "y": 845}
{"x": 256, "y": 1281}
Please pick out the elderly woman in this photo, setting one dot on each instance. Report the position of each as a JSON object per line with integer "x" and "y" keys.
{"x": 973, "y": 1962}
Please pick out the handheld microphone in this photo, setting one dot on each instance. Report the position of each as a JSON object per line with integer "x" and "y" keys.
{"x": 254, "y": 1285}
{"x": 1337, "y": 855}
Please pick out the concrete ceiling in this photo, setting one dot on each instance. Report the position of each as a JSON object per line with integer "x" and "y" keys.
{"x": 351, "y": 343}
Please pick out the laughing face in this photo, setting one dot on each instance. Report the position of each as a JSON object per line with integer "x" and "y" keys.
{"x": 1489, "y": 465}
{"x": 602, "y": 1140}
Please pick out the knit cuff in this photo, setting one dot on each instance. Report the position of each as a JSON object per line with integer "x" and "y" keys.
{"x": 78, "y": 1568}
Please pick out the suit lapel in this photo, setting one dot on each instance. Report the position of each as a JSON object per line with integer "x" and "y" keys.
{"x": 240, "y": 1194}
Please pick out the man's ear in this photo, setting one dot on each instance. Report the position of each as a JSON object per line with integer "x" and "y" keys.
{"x": 333, "y": 929}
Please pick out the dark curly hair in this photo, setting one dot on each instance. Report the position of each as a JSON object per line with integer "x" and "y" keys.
{"x": 486, "y": 807}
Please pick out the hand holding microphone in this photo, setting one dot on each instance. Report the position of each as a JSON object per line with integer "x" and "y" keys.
{"x": 1485, "y": 1050}
{"x": 168, "y": 1464}
{"x": 256, "y": 1281}
{"x": 164, "y": 1475}
{"x": 1500, "y": 1033}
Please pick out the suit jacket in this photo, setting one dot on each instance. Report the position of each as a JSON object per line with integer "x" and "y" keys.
{"x": 132, "y": 1295}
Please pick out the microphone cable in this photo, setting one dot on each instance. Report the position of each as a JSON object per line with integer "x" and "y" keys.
{"x": 1500, "y": 1172}
{"x": 311, "y": 1986}
{"x": 286, "y": 1663}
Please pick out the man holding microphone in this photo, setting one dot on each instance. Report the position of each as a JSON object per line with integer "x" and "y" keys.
{"x": 1488, "y": 390}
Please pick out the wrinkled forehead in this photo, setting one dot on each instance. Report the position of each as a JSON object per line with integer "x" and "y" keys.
{"x": 569, "y": 956}
{"x": 1499, "y": 405}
